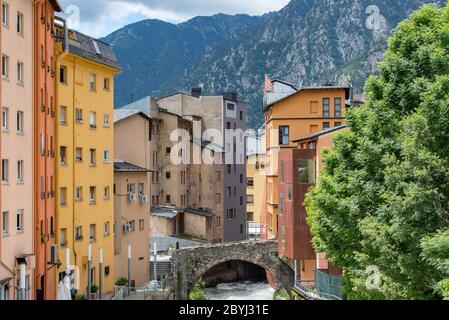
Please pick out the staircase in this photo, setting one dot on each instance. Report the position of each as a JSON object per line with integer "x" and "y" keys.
{"x": 163, "y": 269}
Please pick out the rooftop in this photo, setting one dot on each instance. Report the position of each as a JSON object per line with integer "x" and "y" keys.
{"x": 200, "y": 212}
{"x": 123, "y": 166}
{"x": 318, "y": 134}
{"x": 121, "y": 114}
{"x": 164, "y": 212}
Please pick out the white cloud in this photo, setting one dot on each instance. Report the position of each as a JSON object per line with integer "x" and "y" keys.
{"x": 100, "y": 17}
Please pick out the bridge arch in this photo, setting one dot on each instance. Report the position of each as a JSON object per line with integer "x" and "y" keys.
{"x": 190, "y": 264}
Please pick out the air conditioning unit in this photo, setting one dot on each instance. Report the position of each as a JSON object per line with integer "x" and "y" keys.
{"x": 53, "y": 254}
{"x": 127, "y": 227}
{"x": 144, "y": 199}
{"x": 132, "y": 197}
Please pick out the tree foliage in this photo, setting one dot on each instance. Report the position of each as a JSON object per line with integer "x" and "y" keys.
{"x": 385, "y": 186}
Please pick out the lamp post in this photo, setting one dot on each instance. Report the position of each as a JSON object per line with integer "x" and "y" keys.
{"x": 100, "y": 284}
{"x": 129, "y": 269}
{"x": 89, "y": 271}
{"x": 22, "y": 281}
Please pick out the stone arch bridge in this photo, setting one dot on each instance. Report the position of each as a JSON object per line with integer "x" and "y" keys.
{"x": 190, "y": 264}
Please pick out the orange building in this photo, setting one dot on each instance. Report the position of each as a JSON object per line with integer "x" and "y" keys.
{"x": 44, "y": 146}
{"x": 295, "y": 112}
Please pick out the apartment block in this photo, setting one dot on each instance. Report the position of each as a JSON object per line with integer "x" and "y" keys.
{"x": 17, "y": 259}
{"x": 85, "y": 156}
{"x": 295, "y": 112}
{"x": 132, "y": 194}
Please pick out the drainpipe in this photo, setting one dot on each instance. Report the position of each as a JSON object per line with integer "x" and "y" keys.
{"x": 59, "y": 58}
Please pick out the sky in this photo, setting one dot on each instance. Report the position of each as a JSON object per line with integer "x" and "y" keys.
{"x": 98, "y": 18}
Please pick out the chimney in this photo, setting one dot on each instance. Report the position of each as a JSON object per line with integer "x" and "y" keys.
{"x": 196, "y": 92}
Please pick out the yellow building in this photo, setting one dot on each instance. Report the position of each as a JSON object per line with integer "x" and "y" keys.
{"x": 255, "y": 197}
{"x": 85, "y": 156}
{"x": 292, "y": 112}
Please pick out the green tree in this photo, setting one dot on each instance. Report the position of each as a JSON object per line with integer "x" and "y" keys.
{"x": 385, "y": 186}
{"x": 198, "y": 292}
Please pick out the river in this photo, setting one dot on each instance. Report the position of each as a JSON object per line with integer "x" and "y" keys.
{"x": 246, "y": 290}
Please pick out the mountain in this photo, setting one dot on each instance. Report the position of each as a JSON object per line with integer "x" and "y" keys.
{"x": 308, "y": 42}
{"x": 152, "y": 51}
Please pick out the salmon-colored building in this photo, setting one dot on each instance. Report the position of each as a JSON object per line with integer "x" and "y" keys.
{"x": 44, "y": 146}
{"x": 16, "y": 238}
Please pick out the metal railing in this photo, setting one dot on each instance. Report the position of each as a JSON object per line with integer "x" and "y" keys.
{"x": 153, "y": 290}
{"x": 308, "y": 291}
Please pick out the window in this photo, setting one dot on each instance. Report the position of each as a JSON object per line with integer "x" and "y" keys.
{"x": 19, "y": 121}
{"x": 167, "y": 199}
{"x": 228, "y": 125}
{"x": 5, "y": 114}
{"x": 306, "y": 171}
{"x": 5, "y": 66}
{"x": 63, "y": 74}
{"x": 79, "y": 115}
{"x": 218, "y": 175}
{"x": 5, "y": 170}
{"x": 106, "y": 228}
{"x": 326, "y": 107}
{"x": 106, "y": 156}
{"x": 19, "y": 72}
{"x": 337, "y": 107}
{"x": 106, "y": 193}
{"x": 92, "y": 120}
{"x": 92, "y": 232}
{"x": 141, "y": 224}
{"x": 167, "y": 175}
{"x": 79, "y": 154}
{"x": 19, "y": 220}
{"x": 229, "y": 192}
{"x": 337, "y": 124}
{"x": 92, "y": 82}
{"x": 79, "y": 233}
{"x": 106, "y": 120}
{"x": 250, "y": 199}
{"x": 107, "y": 84}
{"x": 167, "y": 151}
{"x": 96, "y": 47}
{"x": 5, "y": 223}
{"x": 241, "y": 115}
{"x": 289, "y": 192}
{"x": 250, "y": 216}
{"x": 250, "y": 182}
{"x": 326, "y": 125}
{"x": 20, "y": 171}
{"x": 92, "y": 195}
{"x": 217, "y": 198}
{"x": 63, "y": 154}
{"x": 284, "y": 135}
{"x": 230, "y": 106}
{"x": 63, "y": 196}
{"x": 283, "y": 236}
{"x": 63, "y": 115}
{"x": 282, "y": 171}
{"x": 63, "y": 237}
{"x": 92, "y": 160}
{"x": 5, "y": 14}
{"x": 281, "y": 202}
{"x": 19, "y": 23}
{"x": 78, "y": 193}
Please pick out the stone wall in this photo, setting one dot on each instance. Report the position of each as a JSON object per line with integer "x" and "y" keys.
{"x": 190, "y": 264}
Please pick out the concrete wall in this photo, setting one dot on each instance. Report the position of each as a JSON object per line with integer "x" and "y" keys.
{"x": 195, "y": 225}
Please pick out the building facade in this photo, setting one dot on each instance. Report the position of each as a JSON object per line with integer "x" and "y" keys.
{"x": 132, "y": 194}
{"x": 17, "y": 258}
{"x": 44, "y": 146}
{"x": 299, "y": 170}
{"x": 84, "y": 150}
{"x": 295, "y": 113}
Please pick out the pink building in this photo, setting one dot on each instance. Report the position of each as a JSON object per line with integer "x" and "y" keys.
{"x": 17, "y": 261}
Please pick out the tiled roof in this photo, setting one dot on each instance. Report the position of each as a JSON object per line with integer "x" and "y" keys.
{"x": 84, "y": 46}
